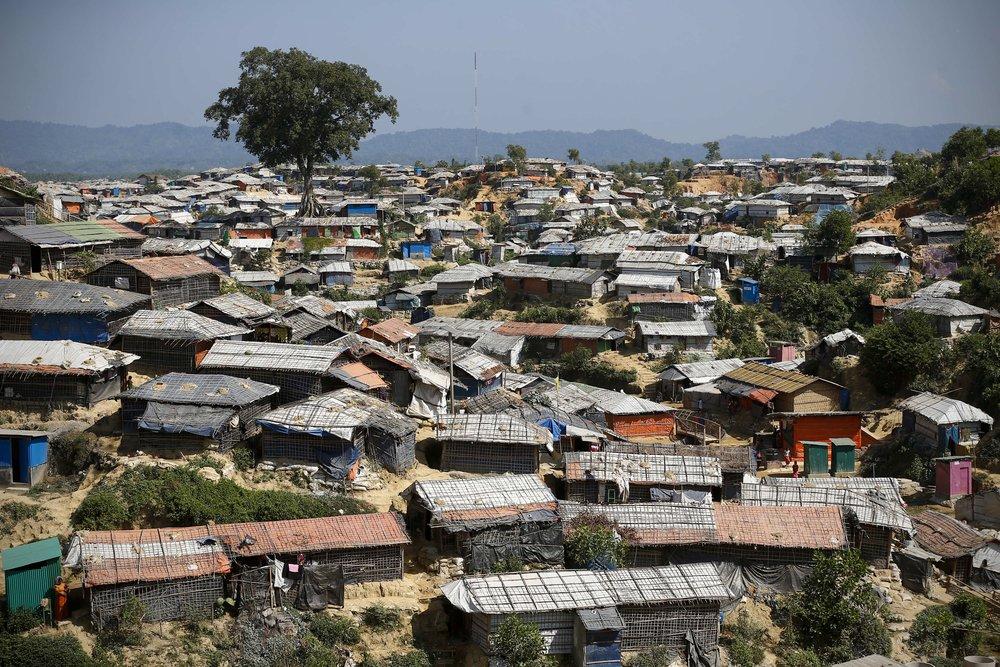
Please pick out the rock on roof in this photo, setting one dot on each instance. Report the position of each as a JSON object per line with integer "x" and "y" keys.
{"x": 56, "y": 297}
{"x": 201, "y": 389}
{"x": 175, "y": 325}
{"x": 60, "y": 357}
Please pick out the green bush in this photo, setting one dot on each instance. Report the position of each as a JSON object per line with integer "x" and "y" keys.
{"x": 415, "y": 658}
{"x": 243, "y": 458}
{"x": 380, "y": 617}
{"x": 182, "y": 497}
{"x": 593, "y": 538}
{"x": 14, "y": 512}
{"x": 43, "y": 651}
{"x": 930, "y": 629}
{"x": 507, "y": 564}
{"x": 72, "y": 453}
{"x": 657, "y": 656}
{"x": 21, "y": 620}
{"x": 519, "y": 642}
{"x": 897, "y": 352}
{"x": 433, "y": 269}
{"x": 797, "y": 657}
{"x": 546, "y": 313}
{"x": 580, "y": 366}
{"x": 335, "y": 630}
{"x": 744, "y": 640}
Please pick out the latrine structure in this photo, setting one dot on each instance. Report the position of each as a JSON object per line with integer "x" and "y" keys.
{"x": 872, "y": 507}
{"x": 57, "y": 310}
{"x": 183, "y": 413}
{"x": 487, "y": 519}
{"x": 609, "y": 477}
{"x": 169, "y": 281}
{"x": 171, "y": 340}
{"x": 47, "y": 374}
{"x": 657, "y": 606}
{"x": 490, "y": 443}
{"x": 335, "y": 430}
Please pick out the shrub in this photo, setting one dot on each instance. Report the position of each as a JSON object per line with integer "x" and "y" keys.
{"x": 594, "y": 539}
{"x": 896, "y": 352}
{"x": 127, "y": 628}
{"x": 929, "y": 632}
{"x": 101, "y": 510}
{"x": 519, "y": 642}
{"x": 432, "y": 270}
{"x": 415, "y": 658}
{"x": 243, "y": 458}
{"x": 14, "y": 512}
{"x": 72, "y": 453}
{"x": 797, "y": 657}
{"x": 657, "y": 656}
{"x": 381, "y": 617}
{"x": 546, "y": 313}
{"x": 335, "y": 630}
{"x": 21, "y": 620}
{"x": 744, "y": 639}
{"x": 43, "y": 651}
{"x": 507, "y": 564}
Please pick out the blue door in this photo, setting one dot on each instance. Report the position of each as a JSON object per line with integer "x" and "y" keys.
{"x": 6, "y": 460}
{"x": 22, "y": 471}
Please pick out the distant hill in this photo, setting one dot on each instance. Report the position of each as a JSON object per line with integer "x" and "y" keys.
{"x": 40, "y": 148}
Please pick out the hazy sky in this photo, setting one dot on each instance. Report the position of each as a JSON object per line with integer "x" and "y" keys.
{"x": 684, "y": 71}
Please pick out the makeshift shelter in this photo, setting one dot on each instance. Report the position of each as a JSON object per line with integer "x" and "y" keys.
{"x": 658, "y": 606}
{"x": 169, "y": 281}
{"x": 736, "y": 461}
{"x": 393, "y": 333}
{"x": 873, "y": 507}
{"x": 952, "y": 541}
{"x": 235, "y": 309}
{"x": 24, "y": 457}
{"x": 184, "y": 413}
{"x": 170, "y": 340}
{"x": 488, "y": 519}
{"x": 625, "y": 414}
{"x": 570, "y": 432}
{"x": 490, "y": 443}
{"x": 57, "y": 310}
{"x": 475, "y": 372}
{"x": 335, "y": 430}
{"x": 788, "y": 391}
{"x": 29, "y": 573}
{"x": 59, "y": 372}
{"x": 943, "y": 424}
{"x": 951, "y": 317}
{"x": 64, "y": 246}
{"x": 674, "y": 379}
{"x": 609, "y": 477}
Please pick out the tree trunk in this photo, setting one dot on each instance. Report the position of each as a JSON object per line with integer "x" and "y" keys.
{"x": 309, "y": 207}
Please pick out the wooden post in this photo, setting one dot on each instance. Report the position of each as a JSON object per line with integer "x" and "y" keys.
{"x": 451, "y": 370}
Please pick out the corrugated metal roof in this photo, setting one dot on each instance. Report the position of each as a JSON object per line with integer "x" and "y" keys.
{"x": 655, "y": 524}
{"x": 490, "y": 429}
{"x": 944, "y": 410}
{"x": 201, "y": 389}
{"x": 876, "y": 507}
{"x": 36, "y": 296}
{"x": 698, "y": 328}
{"x": 245, "y": 354}
{"x": 31, "y": 553}
{"x": 483, "y": 498}
{"x": 700, "y": 372}
{"x": 768, "y": 377}
{"x": 644, "y": 468}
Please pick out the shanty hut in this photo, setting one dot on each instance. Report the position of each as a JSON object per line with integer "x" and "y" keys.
{"x": 29, "y": 572}
{"x": 335, "y": 430}
{"x": 873, "y": 506}
{"x": 653, "y": 607}
{"x": 952, "y": 541}
{"x": 609, "y": 477}
{"x": 951, "y": 317}
{"x": 336, "y": 273}
{"x": 59, "y": 372}
{"x": 678, "y": 377}
{"x": 488, "y": 519}
{"x": 627, "y": 415}
{"x": 839, "y": 344}
{"x": 24, "y": 457}
{"x": 300, "y": 275}
{"x": 235, "y": 309}
{"x": 475, "y": 373}
{"x": 171, "y": 340}
{"x": 400, "y": 270}
{"x": 261, "y": 280}
{"x": 669, "y": 306}
{"x": 297, "y": 326}
{"x": 56, "y": 310}
{"x": 300, "y": 371}
{"x": 943, "y": 423}
{"x": 184, "y": 413}
{"x": 490, "y": 443}
{"x": 64, "y": 245}
{"x": 393, "y": 332}
{"x": 735, "y": 461}
{"x": 175, "y": 572}
{"x": 570, "y": 432}
{"x": 788, "y": 391}
{"x": 870, "y": 256}
{"x": 365, "y": 547}
{"x": 169, "y": 281}
{"x": 663, "y": 338}
{"x": 553, "y": 283}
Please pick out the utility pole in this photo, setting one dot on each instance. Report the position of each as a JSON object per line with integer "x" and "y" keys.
{"x": 451, "y": 370}
{"x": 475, "y": 103}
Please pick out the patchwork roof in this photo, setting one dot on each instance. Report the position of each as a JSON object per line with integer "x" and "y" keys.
{"x": 393, "y": 330}
{"x": 769, "y": 377}
{"x": 944, "y": 536}
{"x": 175, "y": 325}
{"x": 338, "y": 413}
{"x": 490, "y": 429}
{"x": 944, "y": 410}
{"x": 256, "y": 355}
{"x": 68, "y": 234}
{"x": 786, "y": 527}
{"x": 55, "y": 297}
{"x": 483, "y": 498}
{"x": 655, "y": 524}
{"x": 201, "y": 389}
{"x": 59, "y": 357}
{"x": 651, "y": 469}
{"x": 567, "y": 590}
{"x": 239, "y": 306}
{"x": 733, "y": 458}
{"x": 475, "y": 364}
{"x": 877, "y": 507}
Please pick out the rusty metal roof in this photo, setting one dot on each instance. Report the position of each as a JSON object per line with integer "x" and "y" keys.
{"x": 393, "y": 330}
{"x": 166, "y": 268}
{"x": 944, "y": 536}
{"x": 349, "y": 531}
{"x": 786, "y": 527}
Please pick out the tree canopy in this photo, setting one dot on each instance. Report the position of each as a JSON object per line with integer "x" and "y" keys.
{"x": 713, "y": 152}
{"x": 897, "y": 352}
{"x": 834, "y": 234}
{"x": 574, "y": 155}
{"x": 517, "y": 154}
{"x": 290, "y": 106}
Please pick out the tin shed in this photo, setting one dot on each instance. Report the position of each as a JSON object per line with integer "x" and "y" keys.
{"x": 24, "y": 457}
{"x": 29, "y": 572}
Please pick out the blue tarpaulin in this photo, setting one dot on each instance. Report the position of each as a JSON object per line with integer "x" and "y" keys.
{"x": 79, "y": 328}
{"x": 194, "y": 419}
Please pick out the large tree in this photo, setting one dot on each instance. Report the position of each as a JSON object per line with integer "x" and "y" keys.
{"x": 713, "y": 153}
{"x": 290, "y": 106}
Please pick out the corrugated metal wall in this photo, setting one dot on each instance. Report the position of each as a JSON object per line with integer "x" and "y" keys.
{"x": 26, "y": 586}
